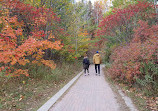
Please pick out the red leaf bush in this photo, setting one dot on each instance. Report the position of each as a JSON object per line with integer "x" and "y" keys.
{"x": 127, "y": 60}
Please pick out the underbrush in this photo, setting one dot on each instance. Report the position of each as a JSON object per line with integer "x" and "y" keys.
{"x": 141, "y": 92}
{"x": 29, "y": 93}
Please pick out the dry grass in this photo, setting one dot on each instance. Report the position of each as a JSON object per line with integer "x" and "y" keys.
{"x": 28, "y": 94}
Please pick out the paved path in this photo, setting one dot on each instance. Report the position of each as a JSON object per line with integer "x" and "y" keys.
{"x": 89, "y": 93}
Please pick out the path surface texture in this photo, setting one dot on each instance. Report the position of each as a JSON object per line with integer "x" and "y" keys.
{"x": 89, "y": 93}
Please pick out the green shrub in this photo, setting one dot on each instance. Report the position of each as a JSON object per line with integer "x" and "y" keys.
{"x": 149, "y": 78}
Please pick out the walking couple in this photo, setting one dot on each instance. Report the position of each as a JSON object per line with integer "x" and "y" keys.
{"x": 96, "y": 61}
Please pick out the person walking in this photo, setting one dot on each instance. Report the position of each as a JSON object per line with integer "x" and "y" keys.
{"x": 97, "y": 62}
{"x": 86, "y": 64}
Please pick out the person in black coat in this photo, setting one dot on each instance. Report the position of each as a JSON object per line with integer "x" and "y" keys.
{"x": 86, "y": 64}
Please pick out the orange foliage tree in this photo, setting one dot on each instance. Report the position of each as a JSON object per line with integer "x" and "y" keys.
{"x": 18, "y": 43}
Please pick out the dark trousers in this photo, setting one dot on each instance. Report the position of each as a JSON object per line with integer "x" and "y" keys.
{"x": 86, "y": 69}
{"x": 97, "y": 68}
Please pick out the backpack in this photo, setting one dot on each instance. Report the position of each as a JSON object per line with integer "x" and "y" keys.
{"x": 86, "y": 61}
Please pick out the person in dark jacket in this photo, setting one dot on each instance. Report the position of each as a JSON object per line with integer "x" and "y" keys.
{"x": 86, "y": 64}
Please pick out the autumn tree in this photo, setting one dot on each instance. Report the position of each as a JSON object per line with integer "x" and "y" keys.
{"x": 24, "y": 38}
{"x": 130, "y": 33}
